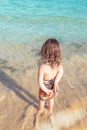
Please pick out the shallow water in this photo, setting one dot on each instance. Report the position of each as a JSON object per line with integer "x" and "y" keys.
{"x": 34, "y": 21}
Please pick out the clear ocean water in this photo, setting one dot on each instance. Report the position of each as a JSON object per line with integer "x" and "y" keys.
{"x": 33, "y": 21}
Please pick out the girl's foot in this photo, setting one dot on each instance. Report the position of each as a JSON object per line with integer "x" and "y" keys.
{"x": 49, "y": 112}
{"x": 51, "y": 119}
{"x": 41, "y": 112}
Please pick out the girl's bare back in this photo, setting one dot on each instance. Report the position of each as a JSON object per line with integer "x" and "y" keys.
{"x": 49, "y": 72}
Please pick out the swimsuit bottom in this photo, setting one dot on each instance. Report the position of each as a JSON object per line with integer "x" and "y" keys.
{"x": 49, "y": 85}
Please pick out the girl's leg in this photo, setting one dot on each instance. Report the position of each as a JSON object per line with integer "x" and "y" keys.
{"x": 41, "y": 105}
{"x": 50, "y": 105}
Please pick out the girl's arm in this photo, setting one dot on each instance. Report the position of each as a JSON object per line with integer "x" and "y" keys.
{"x": 40, "y": 80}
{"x": 58, "y": 77}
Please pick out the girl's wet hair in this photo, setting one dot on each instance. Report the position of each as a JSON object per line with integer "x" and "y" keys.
{"x": 51, "y": 53}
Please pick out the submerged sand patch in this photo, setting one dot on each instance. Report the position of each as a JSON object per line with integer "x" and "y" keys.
{"x": 19, "y": 90}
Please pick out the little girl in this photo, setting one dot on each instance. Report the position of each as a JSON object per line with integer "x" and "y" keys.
{"x": 49, "y": 73}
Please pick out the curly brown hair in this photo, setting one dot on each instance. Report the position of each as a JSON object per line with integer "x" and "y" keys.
{"x": 51, "y": 53}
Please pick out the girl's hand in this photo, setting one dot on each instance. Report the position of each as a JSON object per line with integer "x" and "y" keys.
{"x": 56, "y": 90}
{"x": 50, "y": 92}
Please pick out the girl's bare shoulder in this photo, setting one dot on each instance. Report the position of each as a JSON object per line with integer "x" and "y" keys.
{"x": 43, "y": 67}
{"x": 60, "y": 68}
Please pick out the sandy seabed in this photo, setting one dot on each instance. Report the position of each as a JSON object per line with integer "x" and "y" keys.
{"x": 19, "y": 90}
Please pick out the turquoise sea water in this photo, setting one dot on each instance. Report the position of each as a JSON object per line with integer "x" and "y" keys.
{"x": 33, "y": 21}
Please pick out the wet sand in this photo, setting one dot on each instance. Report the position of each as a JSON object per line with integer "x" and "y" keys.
{"x": 19, "y": 90}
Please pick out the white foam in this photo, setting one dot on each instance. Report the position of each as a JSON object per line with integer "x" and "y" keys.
{"x": 64, "y": 119}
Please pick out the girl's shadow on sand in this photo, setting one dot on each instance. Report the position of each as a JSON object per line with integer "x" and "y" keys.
{"x": 19, "y": 91}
